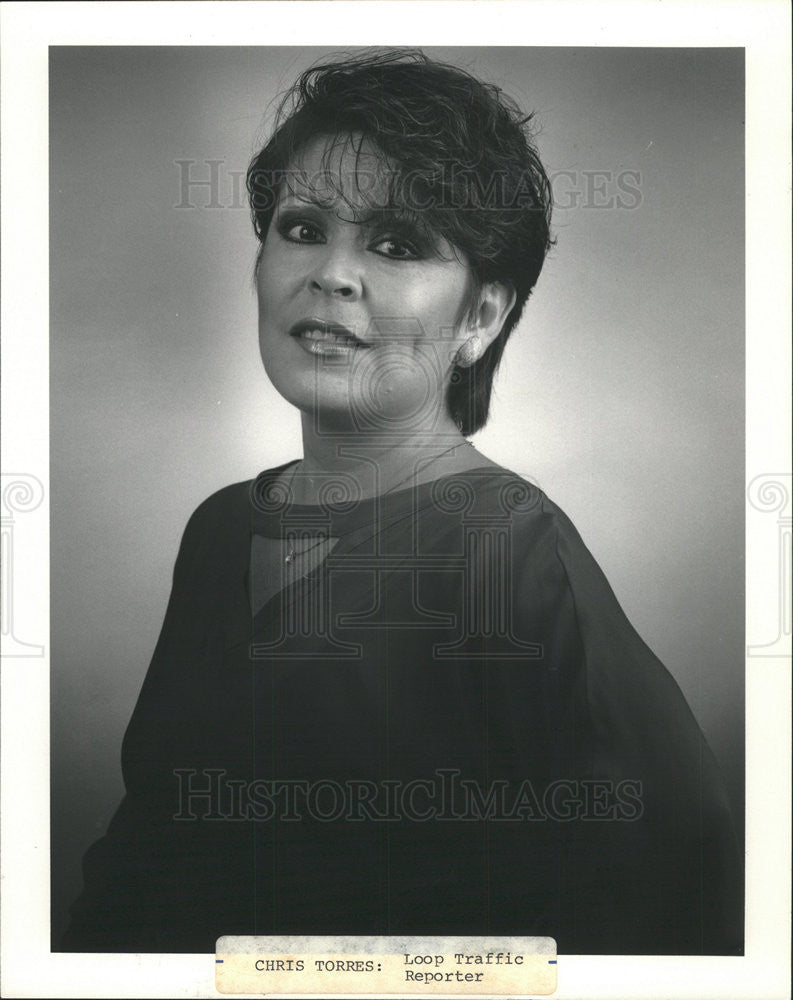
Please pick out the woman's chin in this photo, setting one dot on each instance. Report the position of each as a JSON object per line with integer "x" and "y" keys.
{"x": 336, "y": 401}
{"x": 329, "y": 407}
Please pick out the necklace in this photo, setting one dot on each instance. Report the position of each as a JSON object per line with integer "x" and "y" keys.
{"x": 292, "y": 554}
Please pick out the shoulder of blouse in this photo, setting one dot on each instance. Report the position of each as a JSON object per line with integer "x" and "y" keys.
{"x": 216, "y": 518}
{"x": 488, "y": 495}
{"x": 534, "y": 519}
{"x": 537, "y": 522}
{"x": 632, "y": 697}
{"x": 553, "y": 561}
{"x": 227, "y": 500}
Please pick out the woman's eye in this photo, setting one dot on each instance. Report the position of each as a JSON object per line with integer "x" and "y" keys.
{"x": 300, "y": 232}
{"x": 396, "y": 249}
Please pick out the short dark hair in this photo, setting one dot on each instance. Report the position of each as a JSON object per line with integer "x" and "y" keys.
{"x": 462, "y": 162}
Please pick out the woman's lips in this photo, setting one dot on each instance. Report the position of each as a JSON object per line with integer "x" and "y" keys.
{"x": 325, "y": 338}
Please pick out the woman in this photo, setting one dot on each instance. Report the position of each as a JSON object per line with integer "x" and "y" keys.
{"x": 393, "y": 693}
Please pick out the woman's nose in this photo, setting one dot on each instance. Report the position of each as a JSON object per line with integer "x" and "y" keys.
{"x": 336, "y": 276}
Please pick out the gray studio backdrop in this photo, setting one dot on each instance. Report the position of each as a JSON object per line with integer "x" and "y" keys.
{"x": 621, "y": 394}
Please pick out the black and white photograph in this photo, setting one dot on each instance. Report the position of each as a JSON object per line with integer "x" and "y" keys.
{"x": 396, "y": 485}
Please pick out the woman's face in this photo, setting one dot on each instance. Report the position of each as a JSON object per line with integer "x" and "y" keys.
{"x": 359, "y": 320}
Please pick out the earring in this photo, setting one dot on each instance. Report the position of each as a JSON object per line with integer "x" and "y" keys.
{"x": 469, "y": 352}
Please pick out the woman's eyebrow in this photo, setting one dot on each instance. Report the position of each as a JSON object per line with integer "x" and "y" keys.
{"x": 369, "y": 218}
{"x": 291, "y": 198}
{"x": 391, "y": 217}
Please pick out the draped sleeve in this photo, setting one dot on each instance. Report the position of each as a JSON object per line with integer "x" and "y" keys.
{"x": 144, "y": 876}
{"x": 660, "y": 871}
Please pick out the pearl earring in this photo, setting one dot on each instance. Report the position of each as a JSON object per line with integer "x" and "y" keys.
{"x": 469, "y": 352}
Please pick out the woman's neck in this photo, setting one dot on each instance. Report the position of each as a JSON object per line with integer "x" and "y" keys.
{"x": 373, "y": 464}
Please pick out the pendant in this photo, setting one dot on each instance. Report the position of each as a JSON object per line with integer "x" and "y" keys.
{"x": 289, "y": 556}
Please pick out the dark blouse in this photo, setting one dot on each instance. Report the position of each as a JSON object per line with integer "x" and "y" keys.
{"x": 448, "y": 726}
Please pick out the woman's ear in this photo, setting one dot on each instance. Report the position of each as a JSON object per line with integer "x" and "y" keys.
{"x": 496, "y": 300}
{"x": 485, "y": 321}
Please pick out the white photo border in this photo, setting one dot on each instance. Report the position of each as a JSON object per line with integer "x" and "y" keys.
{"x": 762, "y": 27}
